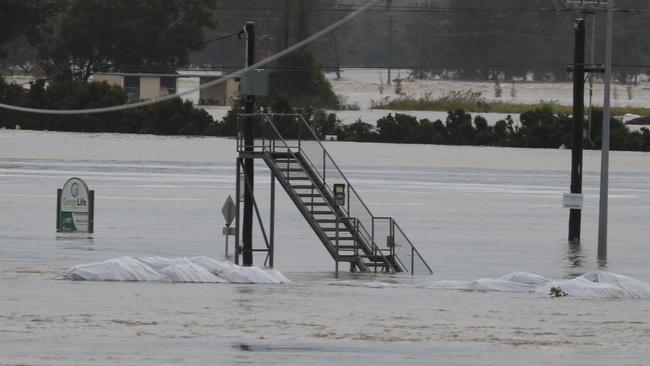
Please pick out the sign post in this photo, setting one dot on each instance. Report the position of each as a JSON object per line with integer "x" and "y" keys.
{"x": 75, "y": 212}
{"x": 229, "y": 211}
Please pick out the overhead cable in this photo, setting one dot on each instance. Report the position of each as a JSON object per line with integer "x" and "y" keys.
{"x": 225, "y": 78}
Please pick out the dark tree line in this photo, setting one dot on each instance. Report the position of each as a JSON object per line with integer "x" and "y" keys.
{"x": 539, "y": 128}
{"x": 74, "y": 38}
{"x": 173, "y": 117}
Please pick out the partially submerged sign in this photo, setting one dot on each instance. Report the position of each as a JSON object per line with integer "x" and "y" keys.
{"x": 572, "y": 201}
{"x": 229, "y": 210}
{"x": 75, "y": 207}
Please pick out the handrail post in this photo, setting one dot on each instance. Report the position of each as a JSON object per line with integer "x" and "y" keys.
{"x": 391, "y": 230}
{"x": 324, "y": 165}
{"x": 412, "y": 260}
{"x": 348, "y": 208}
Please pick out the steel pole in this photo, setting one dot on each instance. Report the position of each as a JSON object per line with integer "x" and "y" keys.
{"x": 604, "y": 164}
{"x": 91, "y": 212}
{"x": 390, "y": 46}
{"x": 575, "y": 216}
{"x": 59, "y": 193}
{"x": 249, "y": 162}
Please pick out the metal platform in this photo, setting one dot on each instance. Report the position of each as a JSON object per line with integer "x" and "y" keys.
{"x": 341, "y": 220}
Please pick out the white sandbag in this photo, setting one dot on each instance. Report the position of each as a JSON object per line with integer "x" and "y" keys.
{"x": 238, "y": 274}
{"x": 525, "y": 278}
{"x": 157, "y": 263}
{"x": 214, "y": 266}
{"x": 183, "y": 270}
{"x": 589, "y": 285}
{"x": 118, "y": 269}
{"x": 195, "y": 269}
{"x": 601, "y": 285}
{"x": 634, "y": 288}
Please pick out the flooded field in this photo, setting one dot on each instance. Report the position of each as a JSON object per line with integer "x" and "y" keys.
{"x": 473, "y": 212}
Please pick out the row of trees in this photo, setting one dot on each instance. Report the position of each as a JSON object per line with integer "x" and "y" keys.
{"x": 540, "y": 128}
{"x": 74, "y": 38}
{"x": 173, "y": 117}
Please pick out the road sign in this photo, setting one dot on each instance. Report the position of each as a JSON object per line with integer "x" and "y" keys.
{"x": 572, "y": 201}
{"x": 229, "y": 210}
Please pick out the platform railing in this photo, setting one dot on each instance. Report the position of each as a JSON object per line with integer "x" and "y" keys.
{"x": 297, "y": 136}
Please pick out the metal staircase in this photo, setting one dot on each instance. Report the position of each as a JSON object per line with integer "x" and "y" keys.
{"x": 348, "y": 230}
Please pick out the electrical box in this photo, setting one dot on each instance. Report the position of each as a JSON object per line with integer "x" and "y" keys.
{"x": 339, "y": 194}
{"x": 255, "y": 82}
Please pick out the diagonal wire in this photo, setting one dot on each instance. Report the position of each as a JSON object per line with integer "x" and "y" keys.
{"x": 235, "y": 74}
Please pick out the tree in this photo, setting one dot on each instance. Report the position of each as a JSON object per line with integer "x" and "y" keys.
{"x": 22, "y": 17}
{"x": 122, "y": 35}
{"x": 19, "y": 21}
{"x": 299, "y": 80}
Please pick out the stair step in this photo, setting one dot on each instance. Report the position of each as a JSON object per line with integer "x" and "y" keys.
{"x": 341, "y": 229}
{"x": 298, "y": 178}
{"x": 346, "y": 238}
{"x": 348, "y": 258}
{"x": 315, "y": 203}
{"x": 326, "y": 221}
{"x": 322, "y": 213}
{"x": 310, "y": 195}
{"x": 286, "y": 161}
{"x": 299, "y": 186}
{"x": 375, "y": 258}
{"x": 291, "y": 169}
{"x": 347, "y": 247}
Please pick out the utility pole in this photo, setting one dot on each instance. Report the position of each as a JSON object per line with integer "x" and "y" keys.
{"x": 575, "y": 215}
{"x": 286, "y": 18}
{"x": 591, "y": 80}
{"x": 390, "y": 46}
{"x": 249, "y": 163}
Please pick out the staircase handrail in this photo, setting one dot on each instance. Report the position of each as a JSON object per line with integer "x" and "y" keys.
{"x": 375, "y": 247}
{"x": 359, "y": 225}
{"x": 414, "y": 250}
{"x": 326, "y": 153}
{"x": 394, "y": 225}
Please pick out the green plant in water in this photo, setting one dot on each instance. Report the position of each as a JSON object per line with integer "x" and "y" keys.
{"x": 557, "y": 292}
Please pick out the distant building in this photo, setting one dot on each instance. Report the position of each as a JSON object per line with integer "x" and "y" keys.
{"x": 143, "y": 86}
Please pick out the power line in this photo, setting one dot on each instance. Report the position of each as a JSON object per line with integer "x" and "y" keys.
{"x": 235, "y": 74}
{"x": 264, "y": 6}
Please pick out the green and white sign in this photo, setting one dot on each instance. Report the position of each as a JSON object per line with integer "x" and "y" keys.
{"x": 75, "y": 207}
